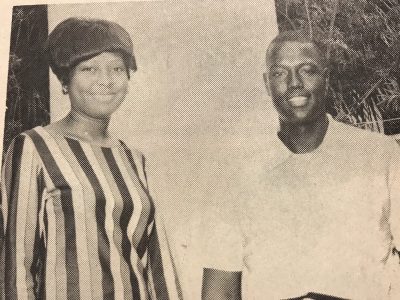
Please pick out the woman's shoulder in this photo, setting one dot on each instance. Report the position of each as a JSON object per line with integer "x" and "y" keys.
{"x": 128, "y": 146}
{"x": 24, "y": 148}
{"x": 26, "y": 138}
{"x": 138, "y": 158}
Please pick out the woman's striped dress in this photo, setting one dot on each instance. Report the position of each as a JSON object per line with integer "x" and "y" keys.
{"x": 80, "y": 224}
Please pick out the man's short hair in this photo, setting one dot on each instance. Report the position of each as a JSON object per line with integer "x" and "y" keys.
{"x": 300, "y": 36}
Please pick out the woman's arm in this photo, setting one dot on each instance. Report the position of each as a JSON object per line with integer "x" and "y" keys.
{"x": 221, "y": 285}
{"x": 20, "y": 188}
{"x": 162, "y": 274}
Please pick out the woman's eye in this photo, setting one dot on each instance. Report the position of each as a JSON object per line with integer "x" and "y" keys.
{"x": 88, "y": 69}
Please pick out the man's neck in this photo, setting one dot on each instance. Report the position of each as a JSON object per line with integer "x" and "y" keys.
{"x": 303, "y": 137}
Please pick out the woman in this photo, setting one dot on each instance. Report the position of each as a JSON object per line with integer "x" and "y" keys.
{"x": 80, "y": 223}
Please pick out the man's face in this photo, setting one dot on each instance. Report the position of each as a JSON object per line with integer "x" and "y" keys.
{"x": 295, "y": 80}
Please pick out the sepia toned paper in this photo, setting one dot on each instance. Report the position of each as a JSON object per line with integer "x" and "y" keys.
{"x": 197, "y": 98}
{"x": 199, "y": 82}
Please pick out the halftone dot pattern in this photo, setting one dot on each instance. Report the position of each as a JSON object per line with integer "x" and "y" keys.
{"x": 315, "y": 296}
{"x": 81, "y": 223}
{"x": 188, "y": 102}
{"x": 195, "y": 105}
{"x": 318, "y": 221}
{"x": 221, "y": 285}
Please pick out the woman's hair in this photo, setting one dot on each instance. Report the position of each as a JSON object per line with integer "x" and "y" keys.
{"x": 75, "y": 40}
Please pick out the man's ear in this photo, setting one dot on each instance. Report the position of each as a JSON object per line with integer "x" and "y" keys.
{"x": 266, "y": 83}
{"x": 325, "y": 72}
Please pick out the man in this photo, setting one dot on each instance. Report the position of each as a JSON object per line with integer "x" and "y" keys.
{"x": 320, "y": 206}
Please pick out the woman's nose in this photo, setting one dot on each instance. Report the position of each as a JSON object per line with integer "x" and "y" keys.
{"x": 105, "y": 78}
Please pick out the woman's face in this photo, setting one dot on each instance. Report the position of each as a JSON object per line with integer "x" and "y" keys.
{"x": 98, "y": 85}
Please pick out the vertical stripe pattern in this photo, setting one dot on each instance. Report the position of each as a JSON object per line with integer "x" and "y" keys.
{"x": 103, "y": 242}
{"x": 68, "y": 211}
{"x": 14, "y": 165}
{"x": 86, "y": 223}
{"x": 127, "y": 211}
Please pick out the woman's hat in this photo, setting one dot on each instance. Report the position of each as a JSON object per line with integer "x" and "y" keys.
{"x": 75, "y": 40}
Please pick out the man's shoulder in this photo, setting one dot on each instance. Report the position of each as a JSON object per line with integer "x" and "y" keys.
{"x": 354, "y": 130}
{"x": 353, "y": 134}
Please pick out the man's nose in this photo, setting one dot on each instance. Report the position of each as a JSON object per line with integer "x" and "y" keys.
{"x": 295, "y": 80}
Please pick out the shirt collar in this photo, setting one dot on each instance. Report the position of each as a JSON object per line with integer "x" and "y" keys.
{"x": 278, "y": 153}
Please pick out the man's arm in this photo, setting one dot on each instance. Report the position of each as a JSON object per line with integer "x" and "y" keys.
{"x": 221, "y": 285}
{"x": 394, "y": 219}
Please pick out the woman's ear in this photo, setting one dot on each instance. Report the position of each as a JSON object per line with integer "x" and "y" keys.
{"x": 64, "y": 89}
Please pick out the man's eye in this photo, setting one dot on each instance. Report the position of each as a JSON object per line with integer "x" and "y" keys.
{"x": 119, "y": 69}
{"x": 308, "y": 70}
{"x": 278, "y": 74}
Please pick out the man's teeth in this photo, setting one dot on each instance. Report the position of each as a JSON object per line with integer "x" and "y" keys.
{"x": 298, "y": 101}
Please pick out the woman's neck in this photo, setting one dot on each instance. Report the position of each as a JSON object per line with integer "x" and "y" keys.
{"x": 85, "y": 127}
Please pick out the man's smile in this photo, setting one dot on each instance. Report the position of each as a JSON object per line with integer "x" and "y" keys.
{"x": 298, "y": 101}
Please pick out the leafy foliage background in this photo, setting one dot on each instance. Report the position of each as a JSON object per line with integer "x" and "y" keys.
{"x": 361, "y": 39}
{"x": 28, "y": 72}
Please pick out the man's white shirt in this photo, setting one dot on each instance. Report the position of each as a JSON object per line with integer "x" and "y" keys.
{"x": 323, "y": 222}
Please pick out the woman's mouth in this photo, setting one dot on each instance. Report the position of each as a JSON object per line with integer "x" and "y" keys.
{"x": 103, "y": 97}
{"x": 298, "y": 101}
